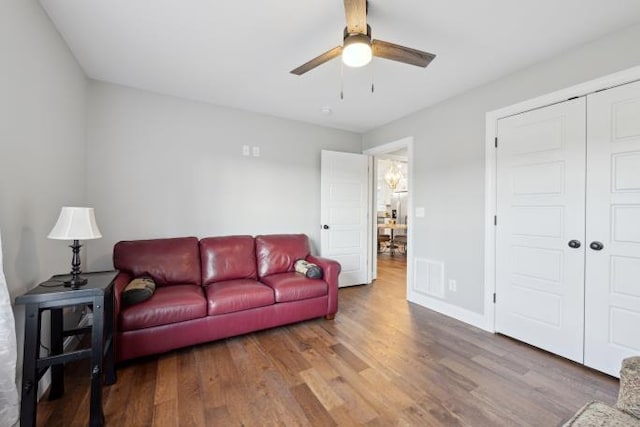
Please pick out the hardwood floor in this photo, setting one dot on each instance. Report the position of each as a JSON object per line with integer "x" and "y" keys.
{"x": 382, "y": 361}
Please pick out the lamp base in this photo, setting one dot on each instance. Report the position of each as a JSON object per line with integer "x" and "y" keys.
{"x": 76, "y": 282}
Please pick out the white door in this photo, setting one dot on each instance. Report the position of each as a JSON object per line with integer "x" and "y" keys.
{"x": 612, "y": 299}
{"x": 540, "y": 210}
{"x": 343, "y": 213}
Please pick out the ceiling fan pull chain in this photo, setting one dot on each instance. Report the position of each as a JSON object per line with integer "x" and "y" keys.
{"x": 341, "y": 81}
{"x": 372, "y": 78}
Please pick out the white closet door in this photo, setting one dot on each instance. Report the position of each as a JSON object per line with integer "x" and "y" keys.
{"x": 612, "y": 292}
{"x": 540, "y": 193}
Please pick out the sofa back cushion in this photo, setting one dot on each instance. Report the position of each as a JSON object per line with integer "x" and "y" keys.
{"x": 168, "y": 261}
{"x": 227, "y": 258}
{"x": 277, "y": 253}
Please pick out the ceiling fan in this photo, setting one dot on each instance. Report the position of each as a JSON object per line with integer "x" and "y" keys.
{"x": 358, "y": 48}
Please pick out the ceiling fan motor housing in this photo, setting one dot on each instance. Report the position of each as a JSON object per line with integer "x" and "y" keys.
{"x": 346, "y": 35}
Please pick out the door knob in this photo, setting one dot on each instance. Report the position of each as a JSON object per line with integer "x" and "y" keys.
{"x": 326, "y": 227}
{"x": 596, "y": 246}
{"x": 575, "y": 244}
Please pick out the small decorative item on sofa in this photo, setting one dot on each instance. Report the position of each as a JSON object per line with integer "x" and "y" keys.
{"x": 138, "y": 290}
{"x": 312, "y": 271}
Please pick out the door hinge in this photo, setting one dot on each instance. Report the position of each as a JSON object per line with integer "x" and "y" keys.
{"x": 495, "y": 141}
{"x": 495, "y": 220}
{"x": 494, "y": 297}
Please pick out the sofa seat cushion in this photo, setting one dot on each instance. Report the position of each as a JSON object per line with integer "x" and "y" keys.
{"x": 237, "y": 295}
{"x": 169, "y": 304}
{"x": 295, "y": 286}
{"x": 596, "y": 414}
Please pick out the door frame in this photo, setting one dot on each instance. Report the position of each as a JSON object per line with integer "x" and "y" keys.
{"x": 406, "y": 142}
{"x": 491, "y": 133}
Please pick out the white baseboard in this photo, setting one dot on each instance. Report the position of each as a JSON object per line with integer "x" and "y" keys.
{"x": 462, "y": 314}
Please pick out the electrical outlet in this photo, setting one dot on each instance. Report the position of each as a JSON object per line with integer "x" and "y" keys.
{"x": 453, "y": 285}
{"x": 256, "y": 151}
{"x": 246, "y": 150}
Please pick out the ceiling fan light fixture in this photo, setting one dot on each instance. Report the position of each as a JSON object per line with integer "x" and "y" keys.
{"x": 356, "y": 51}
{"x": 358, "y": 47}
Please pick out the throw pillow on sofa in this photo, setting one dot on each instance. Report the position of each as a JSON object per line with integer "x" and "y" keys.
{"x": 138, "y": 290}
{"x": 312, "y": 271}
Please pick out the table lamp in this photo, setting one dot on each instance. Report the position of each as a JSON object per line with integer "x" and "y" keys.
{"x": 75, "y": 224}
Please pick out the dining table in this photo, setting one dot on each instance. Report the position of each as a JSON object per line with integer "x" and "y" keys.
{"x": 392, "y": 227}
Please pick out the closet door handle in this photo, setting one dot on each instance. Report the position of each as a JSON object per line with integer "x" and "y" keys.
{"x": 575, "y": 244}
{"x": 596, "y": 246}
{"x": 326, "y": 227}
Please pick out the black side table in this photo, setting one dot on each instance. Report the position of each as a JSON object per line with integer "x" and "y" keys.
{"x": 98, "y": 293}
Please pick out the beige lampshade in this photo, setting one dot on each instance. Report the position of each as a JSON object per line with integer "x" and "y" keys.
{"x": 75, "y": 224}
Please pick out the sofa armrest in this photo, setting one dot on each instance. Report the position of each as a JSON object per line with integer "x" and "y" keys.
{"x": 629, "y": 394}
{"x": 331, "y": 271}
{"x": 122, "y": 280}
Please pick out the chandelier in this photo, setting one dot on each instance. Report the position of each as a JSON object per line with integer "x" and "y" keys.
{"x": 393, "y": 176}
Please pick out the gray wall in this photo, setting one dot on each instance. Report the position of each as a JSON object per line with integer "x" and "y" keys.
{"x": 42, "y": 147}
{"x": 449, "y": 155}
{"x": 162, "y": 166}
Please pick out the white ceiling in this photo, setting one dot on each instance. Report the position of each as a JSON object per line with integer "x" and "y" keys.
{"x": 239, "y": 53}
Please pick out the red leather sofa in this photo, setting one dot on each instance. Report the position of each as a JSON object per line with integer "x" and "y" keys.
{"x": 215, "y": 288}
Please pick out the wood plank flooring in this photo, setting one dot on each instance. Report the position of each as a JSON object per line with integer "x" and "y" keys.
{"x": 381, "y": 362}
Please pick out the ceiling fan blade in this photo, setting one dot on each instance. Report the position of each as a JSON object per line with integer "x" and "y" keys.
{"x": 318, "y": 60}
{"x": 399, "y": 53}
{"x": 356, "y": 13}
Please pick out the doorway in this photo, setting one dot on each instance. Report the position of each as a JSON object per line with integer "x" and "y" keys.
{"x": 391, "y": 206}
{"x": 391, "y": 233}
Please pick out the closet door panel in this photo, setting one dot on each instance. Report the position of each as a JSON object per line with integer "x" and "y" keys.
{"x": 612, "y": 286}
{"x": 540, "y": 194}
